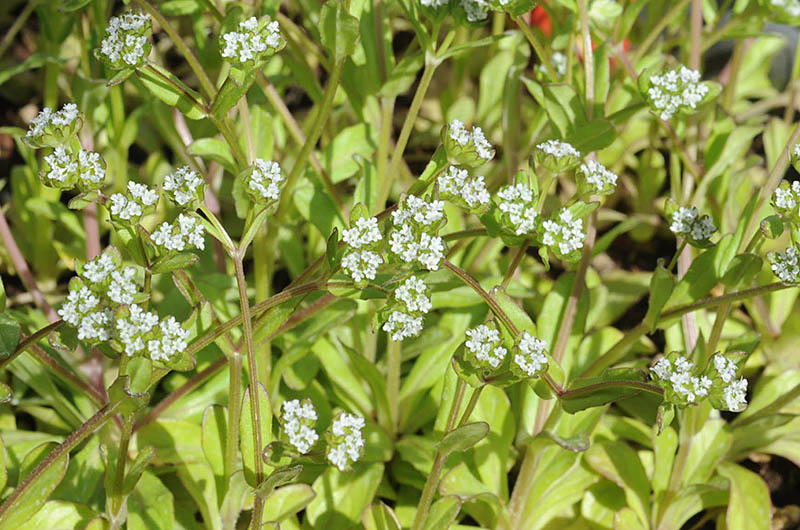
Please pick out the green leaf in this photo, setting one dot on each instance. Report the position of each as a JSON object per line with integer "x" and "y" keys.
{"x": 163, "y": 85}
{"x": 59, "y": 514}
{"x": 35, "y": 494}
{"x": 772, "y": 227}
{"x": 120, "y": 391}
{"x": 338, "y": 29}
{"x": 134, "y": 471}
{"x": 339, "y": 155}
{"x": 380, "y": 517}
{"x": 231, "y": 92}
{"x": 517, "y": 315}
{"x": 342, "y": 497}
{"x": 626, "y": 519}
{"x": 249, "y": 452}
{"x": 214, "y": 442}
{"x": 620, "y": 464}
{"x": 287, "y": 501}
{"x": 443, "y": 512}
{"x": 463, "y": 437}
{"x": 120, "y": 77}
{"x": 666, "y": 413}
{"x": 593, "y": 136}
{"x": 749, "y": 506}
{"x": 612, "y": 386}
{"x": 741, "y": 270}
{"x": 150, "y": 505}
{"x": 661, "y": 285}
{"x": 174, "y": 262}
{"x": 9, "y": 335}
{"x": 561, "y": 103}
{"x": 214, "y": 149}
{"x": 73, "y": 5}
{"x": 277, "y": 478}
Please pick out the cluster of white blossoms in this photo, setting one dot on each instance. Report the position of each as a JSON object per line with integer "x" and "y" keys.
{"x": 252, "y": 42}
{"x": 485, "y": 346}
{"x": 785, "y": 264}
{"x": 185, "y": 230}
{"x": 299, "y": 418}
{"x": 474, "y": 139}
{"x": 122, "y": 288}
{"x": 83, "y": 310}
{"x": 559, "y": 62}
{"x": 91, "y": 169}
{"x": 184, "y": 186}
{"x": 599, "y": 179}
{"x": 141, "y": 332}
{"x": 126, "y": 42}
{"x": 263, "y": 184}
{"x": 676, "y": 376}
{"x": 676, "y": 90}
{"x": 686, "y": 222}
{"x": 786, "y": 198}
{"x": 410, "y": 302}
{"x": 131, "y": 206}
{"x": 558, "y": 149}
{"x": 790, "y": 7}
{"x": 362, "y": 261}
{"x": 519, "y": 208}
{"x": 48, "y": 121}
{"x": 66, "y": 167}
{"x": 476, "y": 10}
{"x": 566, "y": 232}
{"x": 345, "y": 441}
{"x": 530, "y": 359}
{"x": 434, "y": 3}
{"x": 735, "y": 391}
{"x": 413, "y": 239}
{"x": 455, "y": 184}
{"x": 132, "y": 330}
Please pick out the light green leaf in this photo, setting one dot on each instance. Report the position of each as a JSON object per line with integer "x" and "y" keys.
{"x": 35, "y": 495}
{"x": 214, "y": 442}
{"x": 167, "y": 91}
{"x": 463, "y": 437}
{"x": 342, "y": 496}
{"x": 443, "y": 512}
{"x": 150, "y": 505}
{"x": 661, "y": 285}
{"x": 620, "y": 464}
{"x": 338, "y": 29}
{"x": 9, "y": 335}
{"x": 214, "y": 149}
{"x": 749, "y": 505}
{"x": 59, "y": 514}
{"x": 250, "y": 453}
{"x": 380, "y": 517}
{"x": 287, "y": 501}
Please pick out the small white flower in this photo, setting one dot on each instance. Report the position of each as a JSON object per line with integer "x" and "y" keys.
{"x": 601, "y": 179}
{"x": 345, "y": 440}
{"x": 184, "y": 231}
{"x": 61, "y": 119}
{"x": 91, "y": 172}
{"x": 62, "y": 166}
{"x": 362, "y": 264}
{"x": 676, "y": 90}
{"x": 96, "y": 326}
{"x": 420, "y": 247}
{"x": 566, "y": 232}
{"x": 686, "y": 222}
{"x": 531, "y": 359}
{"x": 364, "y": 233}
{"x": 425, "y": 213}
{"x": 401, "y": 326}
{"x": 122, "y": 288}
{"x": 726, "y": 368}
{"x": 456, "y": 182}
{"x": 735, "y": 395}
{"x": 559, "y": 62}
{"x": 463, "y": 137}
{"x": 485, "y": 345}
{"x": 414, "y": 294}
{"x": 79, "y": 303}
{"x": 252, "y": 42}
{"x": 173, "y": 340}
{"x": 786, "y": 199}
{"x": 679, "y": 378}
{"x": 183, "y": 186}
{"x": 476, "y": 10}
{"x": 785, "y": 265}
{"x": 125, "y": 42}
{"x": 299, "y": 419}
{"x": 131, "y": 206}
{"x": 99, "y": 269}
{"x": 434, "y": 3}
{"x": 131, "y": 330}
{"x": 264, "y": 181}
{"x": 517, "y": 203}
{"x": 558, "y": 149}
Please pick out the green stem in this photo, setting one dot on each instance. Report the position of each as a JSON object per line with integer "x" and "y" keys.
{"x": 677, "y": 254}
{"x": 431, "y": 63}
{"x": 31, "y": 339}
{"x": 473, "y": 401}
{"x": 659, "y": 27}
{"x": 588, "y": 58}
{"x": 515, "y": 263}
{"x": 490, "y": 301}
{"x": 394, "y": 359}
{"x": 537, "y": 47}
{"x": 588, "y": 389}
{"x": 432, "y": 481}
{"x": 117, "y": 496}
{"x": 617, "y": 352}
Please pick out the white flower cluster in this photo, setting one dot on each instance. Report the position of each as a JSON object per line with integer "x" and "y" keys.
{"x": 82, "y": 309}
{"x": 519, "y": 208}
{"x": 298, "y": 422}
{"x": 530, "y": 358}
{"x": 785, "y": 265}
{"x": 132, "y": 330}
{"x": 264, "y": 181}
{"x": 252, "y": 42}
{"x": 141, "y": 333}
{"x": 185, "y": 230}
{"x": 682, "y": 382}
{"x": 486, "y": 346}
{"x": 456, "y": 183}
{"x": 60, "y": 119}
{"x": 797, "y": 151}
{"x": 790, "y": 7}
{"x": 676, "y": 90}
{"x": 66, "y": 167}
{"x": 600, "y": 179}
{"x": 434, "y": 3}
{"x": 184, "y": 186}
{"x": 125, "y": 43}
{"x": 91, "y": 172}
{"x": 413, "y": 238}
{"x": 787, "y": 197}
{"x": 362, "y": 261}
{"x": 558, "y": 149}
{"x": 566, "y": 232}
{"x": 62, "y": 167}
{"x": 131, "y": 206}
{"x": 476, "y": 10}
{"x": 345, "y": 441}
{"x": 559, "y": 62}
{"x": 411, "y": 302}
{"x": 686, "y": 222}
{"x": 735, "y": 391}
{"x": 463, "y": 137}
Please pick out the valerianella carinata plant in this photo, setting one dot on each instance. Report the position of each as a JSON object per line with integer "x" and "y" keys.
{"x": 417, "y": 264}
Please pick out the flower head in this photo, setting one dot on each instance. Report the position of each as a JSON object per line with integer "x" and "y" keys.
{"x": 468, "y": 148}
{"x": 127, "y": 41}
{"x": 596, "y": 179}
{"x": 687, "y": 223}
{"x": 456, "y": 185}
{"x": 785, "y": 264}
{"x": 484, "y": 347}
{"x": 518, "y": 206}
{"x": 557, "y": 156}
{"x": 361, "y": 264}
{"x": 413, "y": 238}
{"x": 345, "y": 441}
{"x": 401, "y": 325}
{"x": 299, "y": 418}
{"x": 434, "y": 3}
{"x": 786, "y": 199}
{"x": 682, "y": 386}
{"x": 67, "y": 167}
{"x": 170, "y": 340}
{"x": 476, "y": 10}
{"x": 676, "y": 91}
{"x": 184, "y": 231}
{"x": 563, "y": 233}
{"x": 185, "y": 187}
{"x": 263, "y": 183}
{"x": 559, "y": 62}
{"x": 409, "y": 302}
{"x": 529, "y": 359}
{"x": 129, "y": 207}
{"x": 363, "y": 233}
{"x": 51, "y": 129}
{"x": 135, "y": 328}
{"x": 254, "y": 41}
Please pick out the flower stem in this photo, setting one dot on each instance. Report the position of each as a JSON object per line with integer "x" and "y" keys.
{"x": 537, "y": 47}
{"x": 491, "y": 302}
{"x": 515, "y": 263}
{"x": 394, "y": 359}
{"x": 117, "y": 497}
